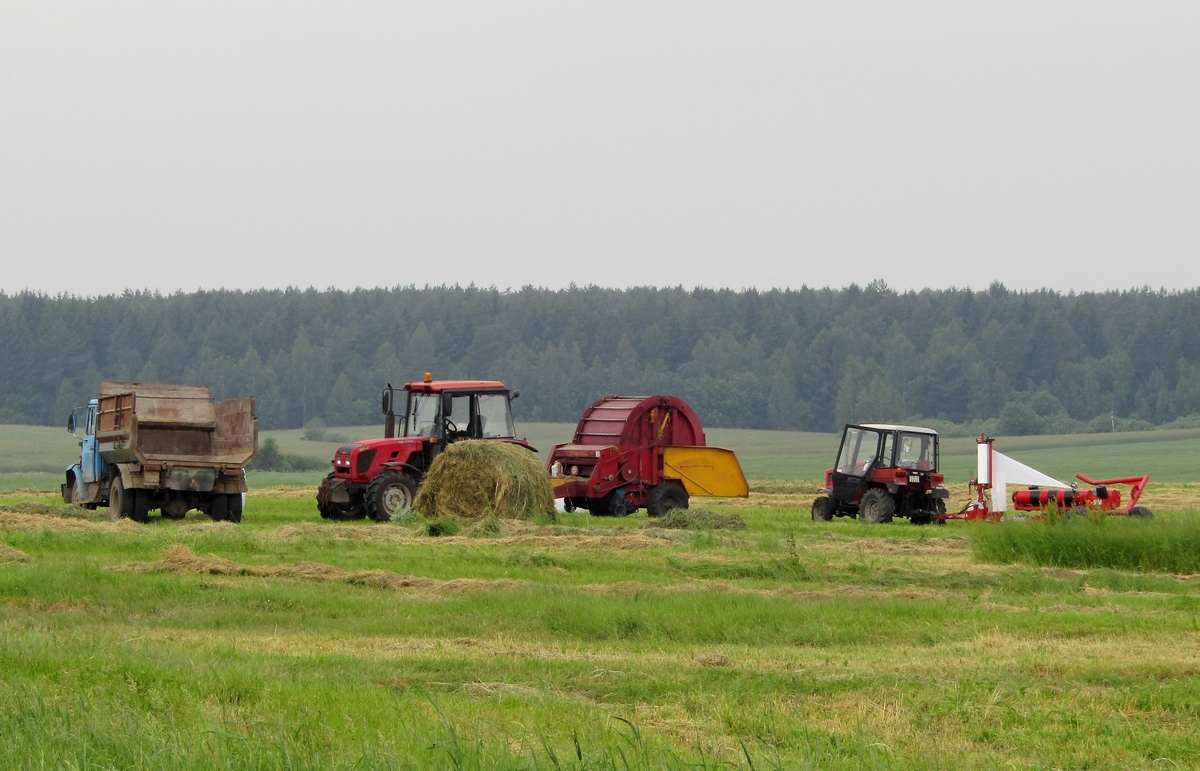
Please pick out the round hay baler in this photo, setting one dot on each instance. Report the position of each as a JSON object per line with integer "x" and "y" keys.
{"x": 634, "y": 451}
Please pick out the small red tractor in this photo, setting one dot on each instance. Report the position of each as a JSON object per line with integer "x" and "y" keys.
{"x": 884, "y": 471}
{"x": 635, "y": 451}
{"x": 378, "y": 478}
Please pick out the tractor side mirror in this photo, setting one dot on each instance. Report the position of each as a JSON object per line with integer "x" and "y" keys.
{"x": 71, "y": 423}
{"x": 387, "y": 399}
{"x": 447, "y": 405}
{"x": 515, "y": 394}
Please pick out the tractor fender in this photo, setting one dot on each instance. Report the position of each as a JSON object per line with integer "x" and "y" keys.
{"x": 940, "y": 492}
{"x": 893, "y": 488}
{"x": 407, "y": 468}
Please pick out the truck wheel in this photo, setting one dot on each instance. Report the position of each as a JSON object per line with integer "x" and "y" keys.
{"x": 176, "y": 507}
{"x": 141, "y": 505}
{"x": 120, "y": 503}
{"x": 233, "y": 504}
{"x": 665, "y": 497}
{"x": 876, "y": 507}
{"x": 218, "y": 507}
{"x": 389, "y": 496}
{"x": 822, "y": 509}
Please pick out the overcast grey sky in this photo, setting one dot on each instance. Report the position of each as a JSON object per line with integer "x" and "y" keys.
{"x": 182, "y": 145}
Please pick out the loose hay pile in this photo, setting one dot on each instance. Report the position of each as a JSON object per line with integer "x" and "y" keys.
{"x": 698, "y": 519}
{"x": 477, "y": 479}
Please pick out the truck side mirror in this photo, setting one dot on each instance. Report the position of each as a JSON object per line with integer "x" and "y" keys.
{"x": 71, "y": 423}
{"x": 447, "y": 405}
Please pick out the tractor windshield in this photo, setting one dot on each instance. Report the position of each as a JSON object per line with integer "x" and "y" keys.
{"x": 918, "y": 452}
{"x": 495, "y": 421}
{"x": 860, "y": 446}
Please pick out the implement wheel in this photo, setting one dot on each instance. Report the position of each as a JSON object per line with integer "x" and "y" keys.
{"x": 876, "y": 507}
{"x": 1140, "y": 512}
{"x": 665, "y": 497}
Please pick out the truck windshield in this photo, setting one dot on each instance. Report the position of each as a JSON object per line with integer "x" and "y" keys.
{"x": 422, "y": 414}
{"x": 495, "y": 421}
{"x": 918, "y": 451}
{"x": 859, "y": 448}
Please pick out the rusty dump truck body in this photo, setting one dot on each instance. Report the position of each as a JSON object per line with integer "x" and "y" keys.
{"x": 170, "y": 447}
{"x": 635, "y": 451}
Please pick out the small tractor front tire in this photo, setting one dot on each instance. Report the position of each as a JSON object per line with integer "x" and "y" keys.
{"x": 876, "y": 507}
{"x": 664, "y": 497}
{"x": 390, "y": 496}
{"x": 822, "y": 509}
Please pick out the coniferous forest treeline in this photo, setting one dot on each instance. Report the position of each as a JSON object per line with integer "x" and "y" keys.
{"x": 1012, "y": 362}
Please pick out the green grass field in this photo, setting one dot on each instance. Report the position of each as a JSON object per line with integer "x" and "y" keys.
{"x": 289, "y": 642}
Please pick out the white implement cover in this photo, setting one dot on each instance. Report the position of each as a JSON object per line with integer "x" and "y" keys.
{"x": 1005, "y": 471}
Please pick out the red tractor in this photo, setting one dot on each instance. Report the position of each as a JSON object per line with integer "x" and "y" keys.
{"x": 884, "y": 471}
{"x": 378, "y": 478}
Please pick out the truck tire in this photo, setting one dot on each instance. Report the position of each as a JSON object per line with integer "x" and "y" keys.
{"x": 141, "y": 505}
{"x": 390, "y": 496}
{"x": 233, "y": 504}
{"x": 876, "y": 507}
{"x": 664, "y": 497}
{"x": 120, "y": 502}
{"x": 218, "y": 507}
{"x": 822, "y": 509}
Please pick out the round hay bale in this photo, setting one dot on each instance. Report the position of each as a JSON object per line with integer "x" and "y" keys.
{"x": 476, "y": 479}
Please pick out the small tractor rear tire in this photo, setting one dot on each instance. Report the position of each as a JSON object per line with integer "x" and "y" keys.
{"x": 876, "y": 507}
{"x": 390, "y": 496}
{"x": 1140, "y": 512}
{"x": 664, "y": 497}
{"x": 822, "y": 509}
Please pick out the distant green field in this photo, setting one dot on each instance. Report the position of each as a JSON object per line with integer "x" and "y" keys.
{"x": 1168, "y": 456}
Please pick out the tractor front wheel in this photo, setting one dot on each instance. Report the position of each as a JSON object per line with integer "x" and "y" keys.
{"x": 876, "y": 507}
{"x": 390, "y": 496}
{"x": 822, "y": 509}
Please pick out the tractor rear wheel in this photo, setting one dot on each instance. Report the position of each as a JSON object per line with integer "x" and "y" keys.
{"x": 665, "y": 497}
{"x": 822, "y": 509}
{"x": 390, "y": 496}
{"x": 876, "y": 507}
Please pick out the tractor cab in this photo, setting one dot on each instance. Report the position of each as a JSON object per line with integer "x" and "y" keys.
{"x": 881, "y": 471}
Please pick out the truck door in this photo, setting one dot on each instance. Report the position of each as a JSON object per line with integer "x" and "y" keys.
{"x": 91, "y": 464}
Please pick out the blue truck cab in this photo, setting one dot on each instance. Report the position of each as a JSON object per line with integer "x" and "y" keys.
{"x": 88, "y": 478}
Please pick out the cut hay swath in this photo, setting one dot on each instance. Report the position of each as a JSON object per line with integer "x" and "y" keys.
{"x": 477, "y": 479}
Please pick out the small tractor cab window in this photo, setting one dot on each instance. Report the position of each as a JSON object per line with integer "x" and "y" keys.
{"x": 917, "y": 451}
{"x": 859, "y": 448}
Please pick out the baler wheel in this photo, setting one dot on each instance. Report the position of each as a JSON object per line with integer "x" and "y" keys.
{"x": 389, "y": 496}
{"x": 876, "y": 507}
{"x": 1141, "y": 512}
{"x": 822, "y": 509}
{"x": 664, "y": 497}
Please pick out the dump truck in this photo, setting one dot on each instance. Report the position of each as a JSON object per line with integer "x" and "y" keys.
{"x": 378, "y": 478}
{"x": 884, "y": 471}
{"x": 146, "y": 446}
{"x": 635, "y": 451}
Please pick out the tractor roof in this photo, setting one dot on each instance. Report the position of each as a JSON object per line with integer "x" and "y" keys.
{"x": 895, "y": 427}
{"x": 437, "y": 386}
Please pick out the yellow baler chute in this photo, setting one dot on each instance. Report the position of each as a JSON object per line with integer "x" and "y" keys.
{"x": 706, "y": 471}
